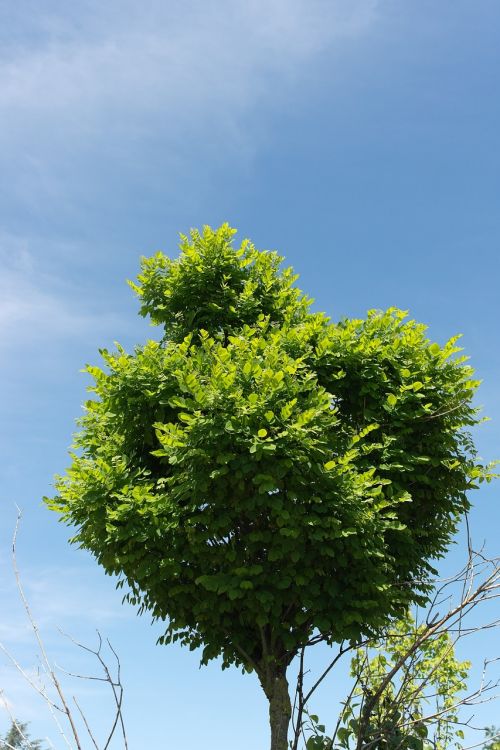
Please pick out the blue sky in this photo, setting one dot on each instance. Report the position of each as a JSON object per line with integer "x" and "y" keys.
{"x": 359, "y": 138}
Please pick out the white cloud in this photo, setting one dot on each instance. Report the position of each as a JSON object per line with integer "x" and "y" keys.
{"x": 17, "y": 698}
{"x": 36, "y": 307}
{"x": 107, "y": 77}
{"x": 86, "y": 88}
{"x": 190, "y": 53}
{"x": 55, "y": 597}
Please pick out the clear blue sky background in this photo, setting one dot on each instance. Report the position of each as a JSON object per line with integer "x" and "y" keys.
{"x": 361, "y": 138}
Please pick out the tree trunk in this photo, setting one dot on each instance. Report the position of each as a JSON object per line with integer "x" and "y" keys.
{"x": 280, "y": 710}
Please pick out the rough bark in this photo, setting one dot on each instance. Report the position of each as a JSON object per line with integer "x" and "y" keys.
{"x": 280, "y": 710}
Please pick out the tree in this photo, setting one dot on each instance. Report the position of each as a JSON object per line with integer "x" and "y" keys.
{"x": 18, "y": 738}
{"x": 416, "y": 706}
{"x": 409, "y": 690}
{"x": 263, "y": 478}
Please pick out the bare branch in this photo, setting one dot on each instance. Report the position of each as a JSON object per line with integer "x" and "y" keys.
{"x": 40, "y": 643}
{"x": 475, "y": 584}
{"x": 63, "y": 708}
{"x": 87, "y": 727}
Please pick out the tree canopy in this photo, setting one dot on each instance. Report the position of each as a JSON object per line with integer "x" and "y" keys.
{"x": 263, "y": 473}
{"x": 18, "y": 738}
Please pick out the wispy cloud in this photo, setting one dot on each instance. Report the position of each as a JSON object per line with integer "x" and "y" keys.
{"x": 91, "y": 92}
{"x": 38, "y": 308}
{"x": 104, "y": 78}
{"x": 55, "y": 597}
{"x": 121, "y": 55}
{"x": 17, "y": 697}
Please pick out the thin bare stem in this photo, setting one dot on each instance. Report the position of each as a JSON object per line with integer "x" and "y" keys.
{"x": 476, "y": 583}
{"x": 87, "y": 727}
{"x": 115, "y": 684}
{"x": 39, "y": 640}
{"x": 46, "y": 667}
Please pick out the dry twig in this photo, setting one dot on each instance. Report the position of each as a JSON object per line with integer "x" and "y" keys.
{"x": 61, "y": 706}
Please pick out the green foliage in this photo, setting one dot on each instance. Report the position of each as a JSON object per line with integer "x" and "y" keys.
{"x": 263, "y": 473}
{"x": 417, "y": 708}
{"x": 18, "y": 737}
{"x": 492, "y": 739}
{"x": 317, "y": 738}
{"x": 213, "y": 287}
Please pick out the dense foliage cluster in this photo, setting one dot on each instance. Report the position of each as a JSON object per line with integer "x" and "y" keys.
{"x": 263, "y": 473}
